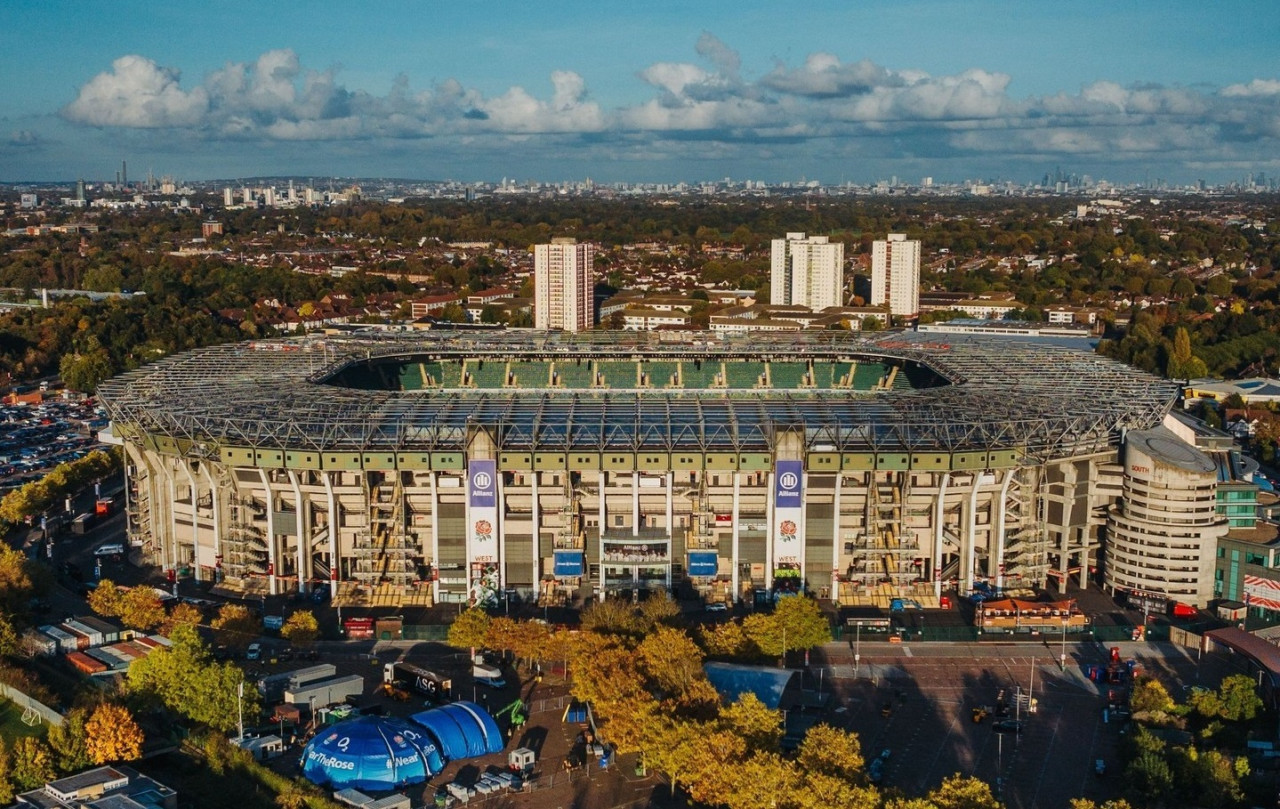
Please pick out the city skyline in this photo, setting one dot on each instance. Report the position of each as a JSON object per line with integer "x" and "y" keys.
{"x": 830, "y": 91}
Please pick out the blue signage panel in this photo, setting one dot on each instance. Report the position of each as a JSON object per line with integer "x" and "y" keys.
{"x": 704, "y": 563}
{"x": 787, "y": 485}
{"x": 483, "y": 484}
{"x": 569, "y": 563}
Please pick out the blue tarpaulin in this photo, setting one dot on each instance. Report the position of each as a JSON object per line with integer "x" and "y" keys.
{"x": 731, "y": 681}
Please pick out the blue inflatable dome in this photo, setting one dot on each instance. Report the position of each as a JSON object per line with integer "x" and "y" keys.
{"x": 371, "y": 752}
{"x": 461, "y": 730}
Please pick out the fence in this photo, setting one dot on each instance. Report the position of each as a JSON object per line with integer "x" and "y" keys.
{"x": 30, "y": 707}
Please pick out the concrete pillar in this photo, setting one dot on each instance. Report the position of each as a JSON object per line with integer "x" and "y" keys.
{"x": 1001, "y": 517}
{"x": 768, "y": 537}
{"x": 735, "y": 582}
{"x": 216, "y": 500}
{"x": 332, "y": 503}
{"x": 195, "y": 518}
{"x": 603, "y": 513}
{"x": 635, "y": 504}
{"x": 536, "y": 517}
{"x": 939, "y": 514}
{"x": 435, "y": 536}
{"x": 304, "y": 531}
{"x": 836, "y": 540}
{"x": 970, "y": 535}
{"x": 271, "y": 532}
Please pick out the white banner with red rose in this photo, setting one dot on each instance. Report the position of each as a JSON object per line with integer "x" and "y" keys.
{"x": 788, "y": 504}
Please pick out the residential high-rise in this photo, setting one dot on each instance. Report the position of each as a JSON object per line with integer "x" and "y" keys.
{"x": 228, "y": 199}
{"x": 564, "y": 285}
{"x": 895, "y": 275}
{"x": 807, "y": 271}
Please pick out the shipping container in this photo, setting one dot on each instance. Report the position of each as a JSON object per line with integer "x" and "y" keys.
{"x": 326, "y": 692}
{"x": 38, "y": 644}
{"x": 85, "y": 664}
{"x": 110, "y": 632}
{"x": 66, "y": 641}
{"x": 95, "y": 637}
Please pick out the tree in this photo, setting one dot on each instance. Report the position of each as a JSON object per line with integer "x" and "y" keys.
{"x": 113, "y": 735}
{"x": 1182, "y": 363}
{"x": 69, "y": 742}
{"x": 9, "y": 642}
{"x": 503, "y": 634}
{"x": 301, "y": 629}
{"x": 468, "y": 630}
{"x": 727, "y": 640}
{"x": 960, "y": 792}
{"x": 658, "y": 610}
{"x": 1149, "y": 695}
{"x": 671, "y": 661}
{"x": 1149, "y": 778}
{"x": 31, "y": 763}
{"x": 6, "y": 774}
{"x": 83, "y": 372}
{"x": 235, "y": 626}
{"x": 613, "y": 616}
{"x": 1240, "y": 701}
{"x": 294, "y": 796}
{"x": 753, "y": 722}
{"x": 16, "y": 582}
{"x": 106, "y": 599}
{"x": 140, "y": 608}
{"x": 182, "y": 614}
{"x": 831, "y": 751}
{"x": 795, "y": 623}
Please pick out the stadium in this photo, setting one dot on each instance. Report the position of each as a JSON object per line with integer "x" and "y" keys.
{"x": 416, "y": 468}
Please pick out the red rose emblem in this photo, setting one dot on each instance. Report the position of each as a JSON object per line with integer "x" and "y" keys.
{"x": 788, "y": 528}
{"x": 484, "y": 527}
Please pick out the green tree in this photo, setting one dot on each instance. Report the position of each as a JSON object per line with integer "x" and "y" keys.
{"x": 671, "y": 661}
{"x": 69, "y": 742}
{"x": 795, "y": 623}
{"x": 182, "y": 614}
{"x": 9, "y": 641}
{"x": 1240, "y": 701}
{"x": 31, "y": 763}
{"x": 1149, "y": 778}
{"x": 301, "y": 629}
{"x": 84, "y": 371}
{"x": 468, "y": 630}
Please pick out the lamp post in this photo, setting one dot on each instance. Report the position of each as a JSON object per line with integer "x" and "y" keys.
{"x": 1065, "y": 621}
{"x": 240, "y": 709}
{"x": 857, "y": 648}
{"x": 784, "y": 647}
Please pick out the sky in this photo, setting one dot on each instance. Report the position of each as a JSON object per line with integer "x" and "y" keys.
{"x": 659, "y": 91}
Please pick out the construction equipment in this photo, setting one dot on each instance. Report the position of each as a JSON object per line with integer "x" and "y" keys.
{"x": 519, "y": 714}
{"x": 394, "y": 691}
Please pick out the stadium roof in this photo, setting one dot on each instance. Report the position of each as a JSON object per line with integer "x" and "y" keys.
{"x": 1040, "y": 399}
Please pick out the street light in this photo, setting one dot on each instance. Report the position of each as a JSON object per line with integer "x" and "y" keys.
{"x": 857, "y": 649}
{"x": 1065, "y": 621}
{"x": 784, "y": 647}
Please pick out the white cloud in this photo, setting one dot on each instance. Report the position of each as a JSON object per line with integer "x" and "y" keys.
{"x": 841, "y": 107}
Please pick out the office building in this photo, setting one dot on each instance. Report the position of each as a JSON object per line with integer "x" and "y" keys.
{"x": 895, "y": 275}
{"x": 564, "y": 285}
{"x": 807, "y": 271}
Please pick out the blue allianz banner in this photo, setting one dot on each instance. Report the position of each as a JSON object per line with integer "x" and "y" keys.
{"x": 787, "y": 485}
{"x": 569, "y": 563}
{"x": 484, "y": 486}
{"x": 704, "y": 563}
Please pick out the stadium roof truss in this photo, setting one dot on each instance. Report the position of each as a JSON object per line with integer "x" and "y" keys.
{"x": 1039, "y": 399}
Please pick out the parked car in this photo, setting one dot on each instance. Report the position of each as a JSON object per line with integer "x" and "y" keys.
{"x": 254, "y": 652}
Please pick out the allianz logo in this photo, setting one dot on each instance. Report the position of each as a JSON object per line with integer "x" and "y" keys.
{"x": 330, "y": 761}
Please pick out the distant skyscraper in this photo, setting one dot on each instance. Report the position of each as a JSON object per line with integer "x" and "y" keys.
{"x": 807, "y": 271}
{"x": 228, "y": 197}
{"x": 564, "y": 285}
{"x": 895, "y": 275}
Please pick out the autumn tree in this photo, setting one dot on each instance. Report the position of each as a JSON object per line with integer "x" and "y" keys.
{"x": 301, "y": 629}
{"x": 106, "y": 599}
{"x": 6, "y": 771}
{"x": 469, "y": 629}
{"x": 185, "y": 679}
{"x": 658, "y": 610}
{"x": 613, "y": 616}
{"x": 502, "y": 634}
{"x": 113, "y": 735}
{"x": 1240, "y": 701}
{"x": 728, "y": 640}
{"x": 754, "y": 722}
{"x": 962, "y": 792}
{"x": 69, "y": 742}
{"x": 31, "y": 764}
{"x": 235, "y": 626}
{"x": 1149, "y": 695}
{"x": 671, "y": 661}
{"x": 17, "y": 583}
{"x": 830, "y": 751}
{"x": 182, "y": 614}
{"x": 9, "y": 641}
{"x": 141, "y": 608}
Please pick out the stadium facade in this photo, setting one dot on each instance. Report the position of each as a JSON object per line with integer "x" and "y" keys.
{"x": 462, "y": 466}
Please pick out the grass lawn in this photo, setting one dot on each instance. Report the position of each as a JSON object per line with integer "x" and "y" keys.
{"x": 11, "y": 724}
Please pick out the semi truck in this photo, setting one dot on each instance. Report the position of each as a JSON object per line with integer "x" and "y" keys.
{"x": 428, "y": 683}
{"x": 272, "y": 687}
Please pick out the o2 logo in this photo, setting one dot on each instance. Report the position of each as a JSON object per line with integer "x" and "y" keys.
{"x": 344, "y": 743}
{"x": 789, "y": 481}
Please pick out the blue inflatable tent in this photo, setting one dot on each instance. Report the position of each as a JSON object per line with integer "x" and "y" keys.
{"x": 461, "y": 730}
{"x": 371, "y": 753}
